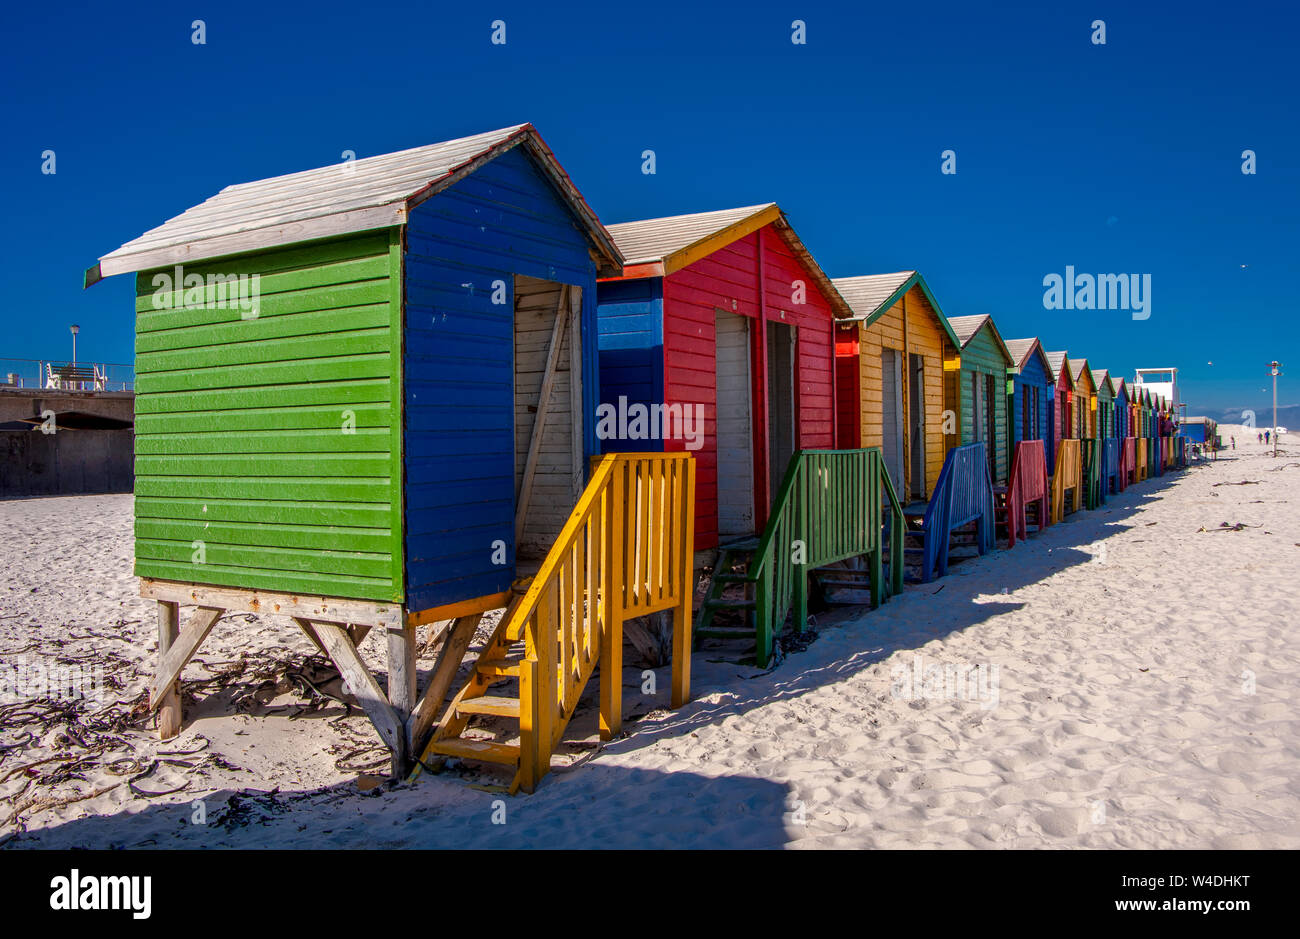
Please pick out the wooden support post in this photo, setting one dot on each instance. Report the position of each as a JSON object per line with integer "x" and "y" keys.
{"x": 611, "y": 640}
{"x": 311, "y": 635}
{"x": 180, "y": 648}
{"x": 682, "y": 640}
{"x": 401, "y": 689}
{"x": 444, "y": 673}
{"x": 401, "y": 669}
{"x": 365, "y": 689}
{"x": 169, "y": 703}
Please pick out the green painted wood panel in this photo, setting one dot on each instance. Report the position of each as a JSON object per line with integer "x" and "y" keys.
{"x": 274, "y": 440}
{"x": 982, "y": 355}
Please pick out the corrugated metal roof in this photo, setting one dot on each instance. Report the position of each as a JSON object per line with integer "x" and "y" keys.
{"x": 375, "y": 192}
{"x": 654, "y": 239}
{"x": 868, "y": 293}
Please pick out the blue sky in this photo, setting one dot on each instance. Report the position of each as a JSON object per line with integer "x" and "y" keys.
{"x": 1117, "y": 158}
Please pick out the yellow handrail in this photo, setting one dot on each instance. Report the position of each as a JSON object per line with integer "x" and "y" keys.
{"x": 626, "y": 550}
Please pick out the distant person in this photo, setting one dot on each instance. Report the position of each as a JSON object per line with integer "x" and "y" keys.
{"x": 1259, "y": 438}
{"x": 1233, "y": 441}
{"x": 1266, "y": 433}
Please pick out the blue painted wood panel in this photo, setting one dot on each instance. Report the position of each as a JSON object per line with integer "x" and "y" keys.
{"x": 463, "y": 246}
{"x": 1032, "y": 376}
{"x": 630, "y": 317}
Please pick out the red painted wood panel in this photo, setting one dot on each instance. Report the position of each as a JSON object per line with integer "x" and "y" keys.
{"x": 728, "y": 280}
{"x": 848, "y": 388}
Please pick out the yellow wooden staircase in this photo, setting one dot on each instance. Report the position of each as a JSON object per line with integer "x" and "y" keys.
{"x": 626, "y": 550}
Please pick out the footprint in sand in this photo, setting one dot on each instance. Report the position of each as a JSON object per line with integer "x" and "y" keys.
{"x": 1235, "y": 763}
{"x": 1063, "y": 822}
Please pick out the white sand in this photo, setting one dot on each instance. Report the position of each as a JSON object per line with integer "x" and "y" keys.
{"x": 1125, "y": 642}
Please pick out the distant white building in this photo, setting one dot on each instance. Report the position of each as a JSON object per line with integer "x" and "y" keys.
{"x": 1161, "y": 381}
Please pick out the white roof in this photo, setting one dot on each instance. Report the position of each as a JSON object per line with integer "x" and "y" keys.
{"x": 375, "y": 192}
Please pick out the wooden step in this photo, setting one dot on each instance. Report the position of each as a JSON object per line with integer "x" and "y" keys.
{"x": 849, "y": 578}
{"x": 721, "y": 604}
{"x": 719, "y": 633}
{"x": 488, "y": 751}
{"x": 498, "y": 668}
{"x": 490, "y": 704}
{"x": 730, "y": 578}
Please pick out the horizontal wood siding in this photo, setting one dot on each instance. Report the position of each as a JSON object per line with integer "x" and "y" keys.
{"x": 631, "y": 324}
{"x": 503, "y": 220}
{"x": 1105, "y": 411}
{"x": 728, "y": 280}
{"x": 983, "y": 356}
{"x": 910, "y": 325}
{"x": 268, "y": 448}
{"x": 1085, "y": 417}
{"x": 1031, "y": 375}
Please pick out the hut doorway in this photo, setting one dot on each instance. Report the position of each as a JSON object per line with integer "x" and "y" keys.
{"x": 781, "y": 416}
{"x": 916, "y": 424}
{"x": 548, "y": 378}
{"x": 891, "y": 417}
{"x": 733, "y": 428}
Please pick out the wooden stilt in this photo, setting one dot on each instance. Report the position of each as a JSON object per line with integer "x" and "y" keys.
{"x": 169, "y": 709}
{"x": 364, "y": 688}
{"x": 444, "y": 673}
{"x": 180, "y": 649}
{"x": 311, "y": 634}
{"x": 401, "y": 686}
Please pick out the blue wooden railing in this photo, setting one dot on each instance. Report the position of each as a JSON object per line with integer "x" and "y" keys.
{"x": 963, "y": 494}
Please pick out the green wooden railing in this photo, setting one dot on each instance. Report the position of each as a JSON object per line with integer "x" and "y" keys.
{"x": 828, "y": 509}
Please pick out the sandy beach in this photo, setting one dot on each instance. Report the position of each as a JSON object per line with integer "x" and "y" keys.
{"x": 1125, "y": 679}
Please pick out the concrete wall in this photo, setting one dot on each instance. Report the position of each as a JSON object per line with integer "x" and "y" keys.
{"x": 17, "y": 404}
{"x": 65, "y": 463}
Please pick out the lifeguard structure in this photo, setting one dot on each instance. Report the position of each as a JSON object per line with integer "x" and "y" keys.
{"x": 1160, "y": 381}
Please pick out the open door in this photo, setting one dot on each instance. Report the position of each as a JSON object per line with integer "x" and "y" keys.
{"x": 549, "y": 470}
{"x": 734, "y": 428}
{"x": 916, "y": 426}
{"x": 781, "y": 405}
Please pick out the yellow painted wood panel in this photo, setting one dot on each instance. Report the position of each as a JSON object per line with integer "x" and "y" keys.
{"x": 924, "y": 336}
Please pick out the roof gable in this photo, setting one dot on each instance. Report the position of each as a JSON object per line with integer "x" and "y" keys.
{"x": 1060, "y": 369}
{"x": 1022, "y": 350}
{"x": 658, "y": 247}
{"x": 968, "y": 327}
{"x": 1079, "y": 370}
{"x": 673, "y": 239}
{"x": 375, "y": 192}
{"x": 871, "y": 296}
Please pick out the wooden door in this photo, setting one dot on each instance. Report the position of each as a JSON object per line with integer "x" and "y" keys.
{"x": 734, "y": 429}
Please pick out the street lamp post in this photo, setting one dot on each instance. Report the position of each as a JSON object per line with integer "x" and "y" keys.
{"x": 1274, "y": 366}
{"x": 75, "y": 329}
